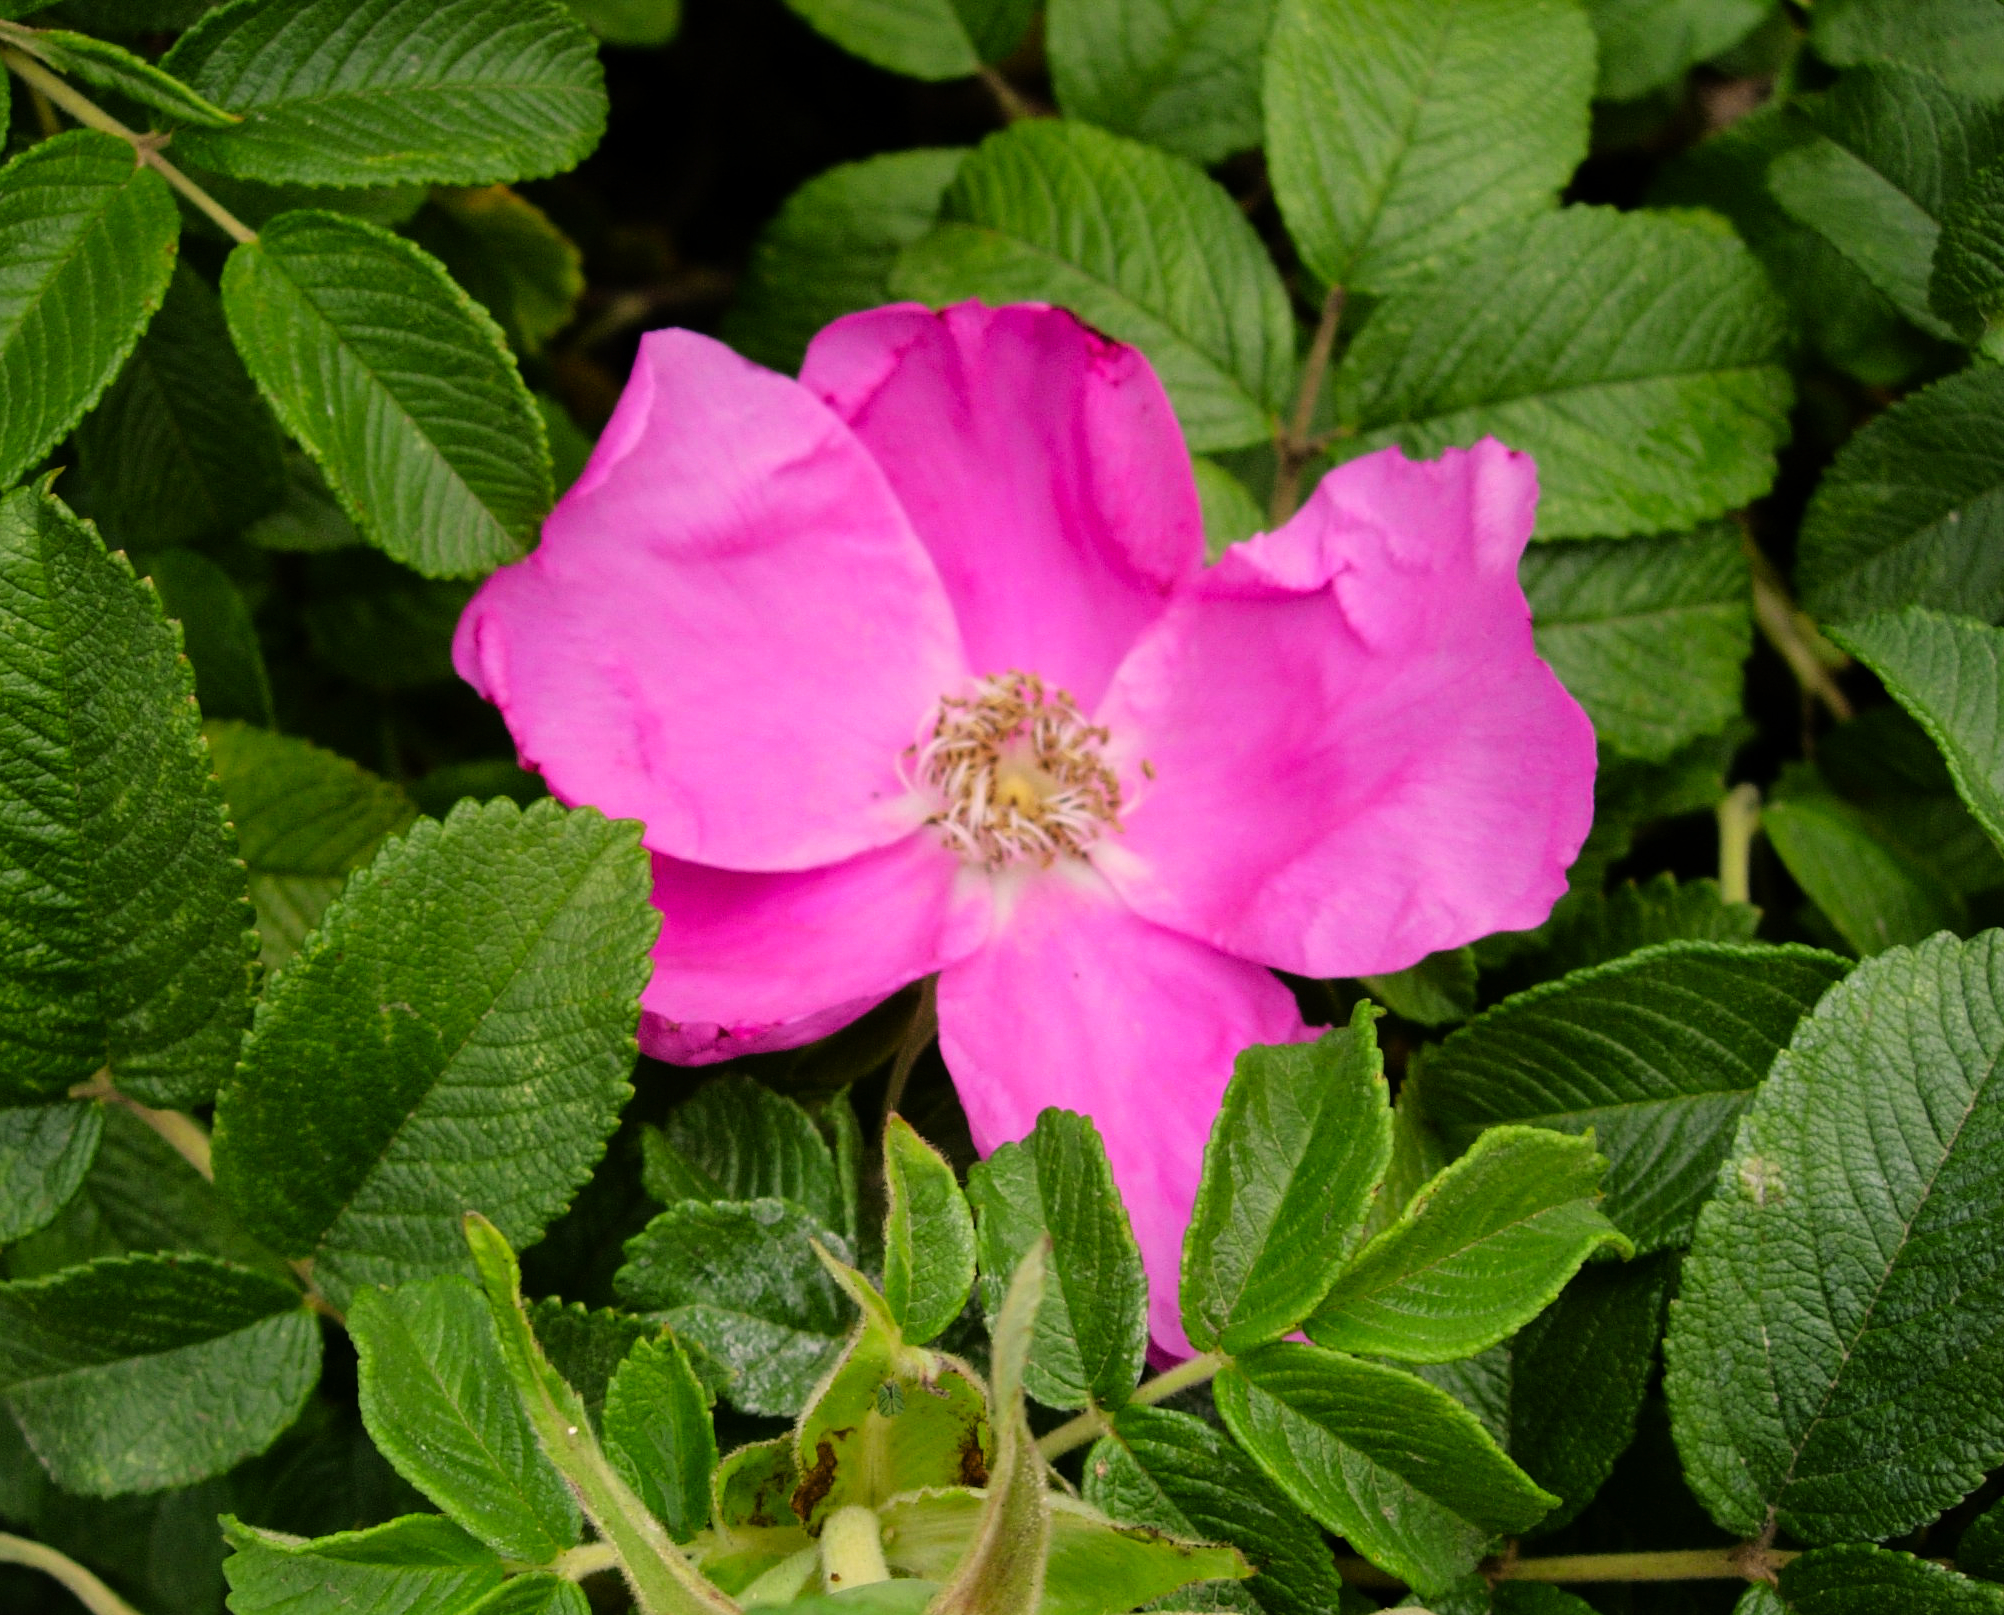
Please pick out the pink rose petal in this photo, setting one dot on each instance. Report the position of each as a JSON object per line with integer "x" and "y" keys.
{"x": 730, "y": 631}
{"x": 1042, "y": 466}
{"x": 1076, "y": 1002}
{"x": 1358, "y": 757}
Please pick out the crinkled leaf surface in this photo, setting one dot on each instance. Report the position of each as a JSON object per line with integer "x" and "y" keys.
{"x": 123, "y": 925}
{"x": 1949, "y": 673}
{"x": 1398, "y": 131}
{"x": 1138, "y": 243}
{"x": 1437, "y": 991}
{"x": 398, "y": 384}
{"x": 1648, "y": 634}
{"x": 439, "y": 1405}
{"x": 181, "y": 446}
{"x": 135, "y": 1373}
{"x": 112, "y": 67}
{"x": 1603, "y": 927}
{"x": 45, "y": 1150}
{"x": 659, "y": 1435}
{"x": 457, "y": 1034}
{"x": 928, "y": 1236}
{"x": 1911, "y": 513}
{"x": 740, "y": 1278}
{"x": 382, "y": 92}
{"x": 504, "y": 250}
{"x": 1092, "y": 1328}
{"x": 1962, "y": 40}
{"x": 305, "y": 820}
{"x": 924, "y": 39}
{"x": 1479, "y": 1251}
{"x": 87, "y": 243}
{"x": 1296, "y": 1153}
{"x": 1859, "y": 1579}
{"x": 587, "y": 1345}
{"x": 735, "y": 1139}
{"x": 1379, "y": 1456}
{"x": 1966, "y": 284}
{"x": 1647, "y": 44}
{"x": 1179, "y": 1474}
{"x": 421, "y": 1564}
{"x": 1656, "y": 1052}
{"x": 1637, "y": 356}
{"x": 830, "y": 249}
{"x": 1180, "y": 74}
{"x": 1896, "y": 147}
{"x": 1834, "y": 1357}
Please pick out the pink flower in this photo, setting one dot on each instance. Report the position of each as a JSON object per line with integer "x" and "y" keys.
{"x": 914, "y": 665}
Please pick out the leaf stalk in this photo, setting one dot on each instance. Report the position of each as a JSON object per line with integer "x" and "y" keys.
{"x": 88, "y": 1590}
{"x": 1092, "y": 1424}
{"x": 1293, "y": 446}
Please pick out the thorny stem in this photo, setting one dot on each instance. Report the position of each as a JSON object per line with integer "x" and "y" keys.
{"x": 145, "y": 147}
{"x": 1293, "y": 446}
{"x": 918, "y": 1038}
{"x": 90, "y": 1592}
{"x": 1091, "y": 1424}
{"x": 1739, "y": 817}
{"x": 1808, "y": 654}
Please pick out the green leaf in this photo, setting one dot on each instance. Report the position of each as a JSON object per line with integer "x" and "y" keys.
{"x": 139, "y": 1196}
{"x": 1562, "y": 1395}
{"x": 928, "y": 1236}
{"x": 418, "y": 1565}
{"x": 735, "y": 1139}
{"x": 1180, "y": 74}
{"x": 1946, "y": 671}
{"x": 1648, "y": 634}
{"x": 1637, "y": 356}
{"x": 1962, "y": 40}
{"x": 1096, "y": 1567}
{"x": 659, "y": 1436}
{"x": 1648, "y": 45}
{"x": 1178, "y": 1474}
{"x": 1911, "y": 512}
{"x": 923, "y": 39}
{"x": 1980, "y": 1551}
{"x": 1230, "y": 511}
{"x": 742, "y": 1281}
{"x": 1137, "y": 243}
{"x": 1399, "y": 131}
{"x": 1966, "y": 284}
{"x": 124, "y": 929}
{"x": 1657, "y": 1053}
{"x": 1479, "y": 1252}
{"x": 181, "y": 447}
{"x": 1401, "y": 1469}
{"x": 1301, "y": 1140}
{"x": 538, "y": 1593}
{"x": 1437, "y": 991}
{"x": 45, "y": 1150}
{"x": 586, "y": 1345}
{"x": 217, "y": 634}
{"x": 830, "y": 249}
{"x": 1092, "y": 1330}
{"x": 384, "y": 92}
{"x": 305, "y": 820}
{"x": 631, "y": 22}
{"x": 504, "y": 250}
{"x": 1873, "y": 891}
{"x": 1601, "y": 928}
{"x": 438, "y": 1403}
{"x": 889, "y": 1418}
{"x": 662, "y": 1579}
{"x": 1896, "y": 149}
{"x": 140, "y": 1372}
{"x": 399, "y": 386}
{"x": 112, "y": 67}
{"x": 381, "y": 624}
{"x": 1859, "y": 1579}
{"x": 752, "y": 1498}
{"x": 87, "y": 242}
{"x": 1836, "y": 1354}
{"x": 456, "y": 1033}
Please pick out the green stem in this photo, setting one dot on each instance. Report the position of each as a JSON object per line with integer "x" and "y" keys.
{"x": 1682, "y": 1564}
{"x": 90, "y": 1592}
{"x": 1739, "y": 817}
{"x": 586, "y": 1559}
{"x": 1092, "y": 1424}
{"x": 145, "y": 147}
{"x": 189, "y": 1138}
{"x": 918, "y": 1038}
{"x": 1293, "y": 447}
{"x": 1793, "y": 635}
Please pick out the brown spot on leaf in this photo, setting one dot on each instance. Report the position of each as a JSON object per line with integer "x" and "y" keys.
{"x": 819, "y": 1481}
{"x": 973, "y": 1461}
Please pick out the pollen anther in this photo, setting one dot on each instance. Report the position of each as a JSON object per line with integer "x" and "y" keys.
{"x": 1019, "y": 773}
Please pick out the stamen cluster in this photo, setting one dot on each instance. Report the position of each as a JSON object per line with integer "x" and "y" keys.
{"x": 1020, "y": 773}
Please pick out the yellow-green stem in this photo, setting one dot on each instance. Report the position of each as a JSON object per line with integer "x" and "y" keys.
{"x": 1739, "y": 817}
{"x": 146, "y": 148}
{"x": 1092, "y": 1424}
{"x": 90, "y": 1592}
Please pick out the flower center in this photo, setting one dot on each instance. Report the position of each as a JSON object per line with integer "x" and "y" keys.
{"x": 1020, "y": 772}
